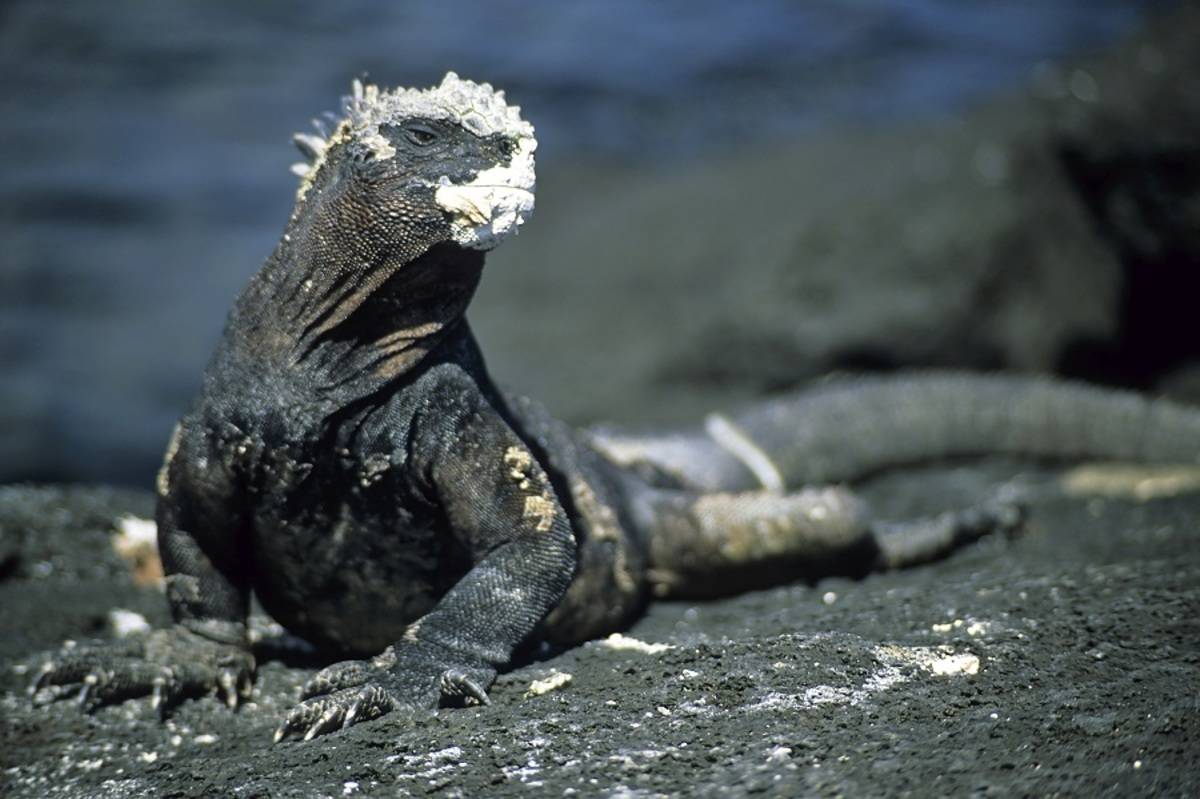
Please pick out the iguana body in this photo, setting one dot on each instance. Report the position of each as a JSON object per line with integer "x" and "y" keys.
{"x": 350, "y": 461}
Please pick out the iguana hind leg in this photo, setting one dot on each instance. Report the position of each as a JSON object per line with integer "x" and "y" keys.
{"x": 911, "y": 543}
{"x": 718, "y": 543}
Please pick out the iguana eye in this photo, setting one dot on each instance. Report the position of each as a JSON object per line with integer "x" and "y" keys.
{"x": 420, "y": 135}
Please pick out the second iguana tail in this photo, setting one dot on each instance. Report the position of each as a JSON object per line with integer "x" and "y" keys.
{"x": 851, "y": 428}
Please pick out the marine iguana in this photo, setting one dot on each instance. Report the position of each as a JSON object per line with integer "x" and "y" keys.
{"x": 350, "y": 461}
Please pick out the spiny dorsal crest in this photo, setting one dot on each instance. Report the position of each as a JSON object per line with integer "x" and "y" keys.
{"x": 476, "y": 106}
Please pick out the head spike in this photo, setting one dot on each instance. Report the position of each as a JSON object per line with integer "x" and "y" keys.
{"x": 477, "y": 107}
{"x": 311, "y": 147}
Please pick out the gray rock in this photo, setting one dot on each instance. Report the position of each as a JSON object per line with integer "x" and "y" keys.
{"x": 1062, "y": 661}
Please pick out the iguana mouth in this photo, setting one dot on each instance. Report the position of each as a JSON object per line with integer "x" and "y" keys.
{"x": 484, "y": 214}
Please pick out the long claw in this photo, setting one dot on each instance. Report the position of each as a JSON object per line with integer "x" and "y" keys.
{"x": 330, "y": 719}
{"x": 51, "y": 694}
{"x": 457, "y": 683}
{"x": 245, "y": 685}
{"x": 158, "y": 700}
{"x": 85, "y": 692}
{"x": 297, "y": 719}
{"x": 227, "y": 680}
{"x": 42, "y": 678}
{"x": 476, "y": 692}
{"x": 371, "y": 703}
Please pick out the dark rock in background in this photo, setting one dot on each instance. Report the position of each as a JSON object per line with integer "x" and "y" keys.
{"x": 1052, "y": 232}
{"x": 749, "y": 277}
{"x": 1135, "y": 160}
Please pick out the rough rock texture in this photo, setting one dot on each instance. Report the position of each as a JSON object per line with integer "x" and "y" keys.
{"x": 1081, "y": 636}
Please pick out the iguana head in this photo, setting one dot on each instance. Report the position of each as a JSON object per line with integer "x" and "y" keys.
{"x": 384, "y": 249}
{"x": 449, "y": 163}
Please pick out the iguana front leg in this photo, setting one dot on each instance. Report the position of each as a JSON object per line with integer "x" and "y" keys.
{"x": 206, "y": 651}
{"x": 501, "y": 510}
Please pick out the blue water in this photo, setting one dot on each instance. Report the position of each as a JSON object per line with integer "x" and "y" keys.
{"x": 144, "y": 154}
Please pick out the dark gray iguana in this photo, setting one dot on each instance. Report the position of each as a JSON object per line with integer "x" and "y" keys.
{"x": 350, "y": 461}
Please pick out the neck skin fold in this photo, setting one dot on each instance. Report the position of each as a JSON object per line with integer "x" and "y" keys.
{"x": 343, "y": 315}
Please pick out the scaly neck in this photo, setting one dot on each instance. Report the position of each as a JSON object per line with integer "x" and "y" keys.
{"x": 337, "y": 318}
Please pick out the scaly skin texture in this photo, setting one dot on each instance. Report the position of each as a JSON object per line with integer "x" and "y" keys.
{"x": 350, "y": 461}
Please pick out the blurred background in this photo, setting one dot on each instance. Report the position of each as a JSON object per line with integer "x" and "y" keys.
{"x": 734, "y": 198}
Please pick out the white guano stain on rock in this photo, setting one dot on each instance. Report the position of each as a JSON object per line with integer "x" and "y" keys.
{"x": 972, "y": 627}
{"x": 624, "y": 643}
{"x": 127, "y": 622}
{"x": 427, "y": 765}
{"x": 136, "y": 541}
{"x": 896, "y": 665}
{"x": 133, "y": 531}
{"x": 552, "y": 682}
{"x": 1131, "y": 481}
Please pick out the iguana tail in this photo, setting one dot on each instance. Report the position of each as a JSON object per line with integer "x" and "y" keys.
{"x": 850, "y": 428}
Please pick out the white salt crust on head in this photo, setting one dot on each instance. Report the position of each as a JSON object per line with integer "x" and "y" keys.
{"x": 486, "y": 210}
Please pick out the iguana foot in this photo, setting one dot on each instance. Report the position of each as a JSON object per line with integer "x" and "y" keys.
{"x": 167, "y": 665}
{"x": 406, "y": 675}
{"x": 909, "y": 543}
